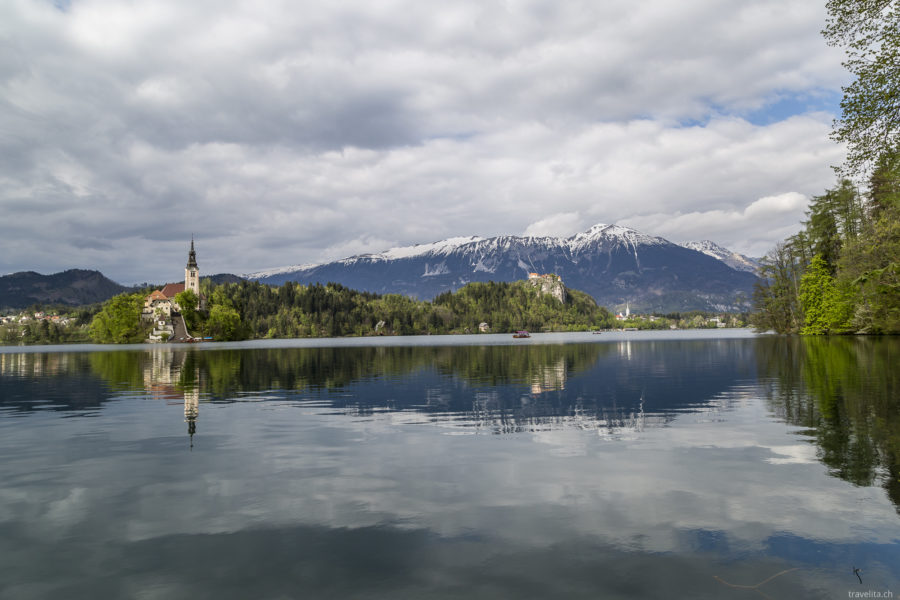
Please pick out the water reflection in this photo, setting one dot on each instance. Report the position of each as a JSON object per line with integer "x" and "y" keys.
{"x": 607, "y": 470}
{"x": 173, "y": 378}
{"x": 497, "y": 389}
{"x": 845, "y": 392}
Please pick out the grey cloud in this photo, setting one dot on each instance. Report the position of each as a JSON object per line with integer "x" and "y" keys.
{"x": 91, "y": 243}
{"x": 294, "y": 132}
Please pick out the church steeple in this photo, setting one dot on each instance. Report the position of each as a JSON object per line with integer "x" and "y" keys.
{"x": 192, "y": 256}
{"x": 192, "y": 272}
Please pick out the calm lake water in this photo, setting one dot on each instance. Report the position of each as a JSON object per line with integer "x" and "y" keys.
{"x": 630, "y": 465}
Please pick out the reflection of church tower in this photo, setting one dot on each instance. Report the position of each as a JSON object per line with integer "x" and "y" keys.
{"x": 548, "y": 378}
{"x": 192, "y": 272}
{"x": 191, "y": 410}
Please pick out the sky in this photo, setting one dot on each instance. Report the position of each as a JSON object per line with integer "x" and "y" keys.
{"x": 280, "y": 133}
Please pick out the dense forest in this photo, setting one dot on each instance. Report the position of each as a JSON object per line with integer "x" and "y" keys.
{"x": 841, "y": 272}
{"x": 251, "y": 310}
{"x": 294, "y": 310}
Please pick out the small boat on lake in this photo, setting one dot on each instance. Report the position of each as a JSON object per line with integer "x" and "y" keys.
{"x": 521, "y": 334}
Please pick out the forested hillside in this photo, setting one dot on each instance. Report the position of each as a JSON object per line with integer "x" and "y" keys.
{"x": 294, "y": 310}
{"x": 75, "y": 287}
{"x": 249, "y": 310}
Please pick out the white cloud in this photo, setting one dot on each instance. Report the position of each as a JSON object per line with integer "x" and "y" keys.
{"x": 750, "y": 231}
{"x": 783, "y": 203}
{"x": 560, "y": 225}
{"x": 291, "y": 133}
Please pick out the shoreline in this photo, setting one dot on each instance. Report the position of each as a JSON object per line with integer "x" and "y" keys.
{"x": 457, "y": 339}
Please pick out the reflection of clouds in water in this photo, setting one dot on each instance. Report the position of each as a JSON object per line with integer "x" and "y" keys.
{"x": 639, "y": 459}
{"x": 562, "y": 442}
{"x": 535, "y": 489}
{"x": 67, "y": 511}
{"x": 795, "y": 454}
{"x": 545, "y": 467}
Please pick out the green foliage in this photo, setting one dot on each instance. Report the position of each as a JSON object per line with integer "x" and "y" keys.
{"x": 43, "y": 332}
{"x": 825, "y": 309}
{"x": 224, "y": 323}
{"x": 840, "y": 273}
{"x": 119, "y": 321}
{"x": 869, "y": 31}
{"x": 835, "y": 218}
{"x": 884, "y": 184}
{"x": 189, "y": 303}
{"x": 508, "y": 307}
{"x": 776, "y": 298}
{"x": 251, "y": 309}
{"x": 871, "y": 267}
{"x": 856, "y": 238}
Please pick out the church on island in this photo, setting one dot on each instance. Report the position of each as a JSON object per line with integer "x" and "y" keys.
{"x": 162, "y": 308}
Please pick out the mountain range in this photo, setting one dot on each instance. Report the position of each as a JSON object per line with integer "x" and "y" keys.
{"x": 75, "y": 287}
{"x": 615, "y": 264}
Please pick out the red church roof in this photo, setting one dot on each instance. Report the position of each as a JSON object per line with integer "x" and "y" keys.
{"x": 171, "y": 289}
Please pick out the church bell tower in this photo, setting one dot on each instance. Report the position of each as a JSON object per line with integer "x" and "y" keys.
{"x": 192, "y": 272}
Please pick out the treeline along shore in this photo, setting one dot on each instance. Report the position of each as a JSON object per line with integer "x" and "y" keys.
{"x": 841, "y": 272}
{"x": 251, "y": 310}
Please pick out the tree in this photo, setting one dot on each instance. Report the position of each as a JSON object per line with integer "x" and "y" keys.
{"x": 119, "y": 321}
{"x": 869, "y": 30}
{"x": 825, "y": 310}
{"x": 775, "y": 299}
{"x": 871, "y": 266}
{"x": 884, "y": 184}
{"x": 224, "y": 323}
{"x": 188, "y": 302}
{"x": 836, "y": 217}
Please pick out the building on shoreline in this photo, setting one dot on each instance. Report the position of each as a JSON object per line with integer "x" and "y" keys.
{"x": 160, "y": 304}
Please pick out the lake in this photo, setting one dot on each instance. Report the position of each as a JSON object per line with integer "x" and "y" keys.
{"x": 698, "y": 464}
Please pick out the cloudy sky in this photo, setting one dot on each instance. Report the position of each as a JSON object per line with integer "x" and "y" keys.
{"x": 292, "y": 132}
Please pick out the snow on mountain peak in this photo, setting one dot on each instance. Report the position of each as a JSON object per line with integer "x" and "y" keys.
{"x": 617, "y": 233}
{"x": 705, "y": 246}
{"x": 734, "y": 260}
{"x": 439, "y": 247}
{"x": 279, "y": 270}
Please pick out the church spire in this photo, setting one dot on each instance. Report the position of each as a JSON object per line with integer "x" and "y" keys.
{"x": 192, "y": 273}
{"x": 192, "y": 256}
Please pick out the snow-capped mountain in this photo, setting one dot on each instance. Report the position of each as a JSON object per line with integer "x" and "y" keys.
{"x": 732, "y": 259}
{"x": 614, "y": 264}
